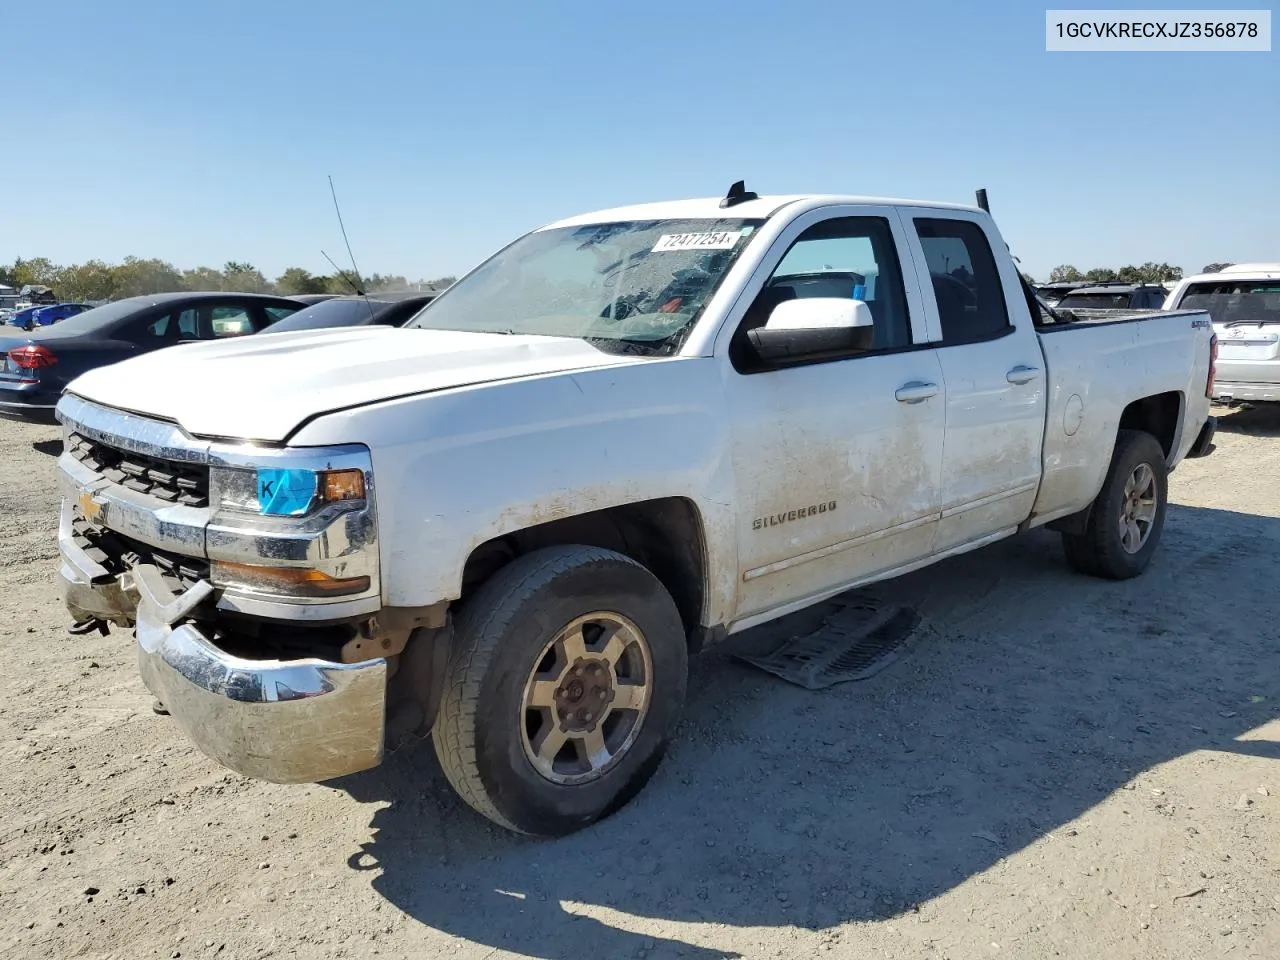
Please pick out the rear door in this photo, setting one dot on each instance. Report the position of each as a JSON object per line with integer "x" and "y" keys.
{"x": 836, "y": 462}
{"x": 993, "y": 370}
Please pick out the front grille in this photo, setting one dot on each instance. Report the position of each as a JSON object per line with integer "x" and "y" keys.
{"x": 117, "y": 553}
{"x": 182, "y": 483}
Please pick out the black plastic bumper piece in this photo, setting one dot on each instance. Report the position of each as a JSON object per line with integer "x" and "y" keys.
{"x": 1204, "y": 443}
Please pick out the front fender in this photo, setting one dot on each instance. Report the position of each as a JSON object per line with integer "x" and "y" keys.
{"x": 459, "y": 467}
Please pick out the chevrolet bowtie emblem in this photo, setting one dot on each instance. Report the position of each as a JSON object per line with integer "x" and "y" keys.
{"x": 90, "y": 508}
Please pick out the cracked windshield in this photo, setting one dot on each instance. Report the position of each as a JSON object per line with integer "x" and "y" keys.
{"x": 628, "y": 287}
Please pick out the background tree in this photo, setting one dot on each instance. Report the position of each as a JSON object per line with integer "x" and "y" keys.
{"x": 94, "y": 280}
{"x": 376, "y": 283}
{"x": 39, "y": 270}
{"x": 136, "y": 277}
{"x": 1100, "y": 275}
{"x": 296, "y": 280}
{"x": 244, "y": 278}
{"x": 99, "y": 280}
{"x": 1064, "y": 273}
{"x": 202, "y": 279}
{"x": 1149, "y": 272}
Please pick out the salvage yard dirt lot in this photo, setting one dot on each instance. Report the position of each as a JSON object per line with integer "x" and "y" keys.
{"x": 1060, "y": 767}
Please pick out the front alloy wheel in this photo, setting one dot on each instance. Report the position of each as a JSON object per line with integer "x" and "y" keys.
{"x": 586, "y": 698}
{"x": 567, "y": 675}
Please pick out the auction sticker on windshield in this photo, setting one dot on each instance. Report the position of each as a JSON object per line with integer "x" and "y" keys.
{"x": 720, "y": 240}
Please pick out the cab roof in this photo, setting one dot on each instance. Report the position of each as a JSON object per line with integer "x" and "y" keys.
{"x": 762, "y": 208}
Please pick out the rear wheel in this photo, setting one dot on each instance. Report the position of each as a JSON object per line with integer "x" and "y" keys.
{"x": 1127, "y": 517}
{"x": 567, "y": 675}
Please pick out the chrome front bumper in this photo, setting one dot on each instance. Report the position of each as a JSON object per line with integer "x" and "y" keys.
{"x": 287, "y": 721}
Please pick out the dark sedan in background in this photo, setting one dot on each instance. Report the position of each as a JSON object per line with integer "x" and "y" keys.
{"x": 35, "y": 367}
{"x": 381, "y": 309}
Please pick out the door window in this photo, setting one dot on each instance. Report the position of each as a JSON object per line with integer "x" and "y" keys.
{"x": 966, "y": 282}
{"x": 189, "y": 324}
{"x": 852, "y": 257}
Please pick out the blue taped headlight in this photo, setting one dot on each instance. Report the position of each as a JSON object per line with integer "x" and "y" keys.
{"x": 286, "y": 493}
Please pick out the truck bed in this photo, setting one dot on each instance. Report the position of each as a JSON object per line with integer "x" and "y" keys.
{"x": 1091, "y": 376}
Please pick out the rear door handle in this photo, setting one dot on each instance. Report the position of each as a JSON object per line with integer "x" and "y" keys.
{"x": 916, "y": 391}
{"x": 1021, "y": 374}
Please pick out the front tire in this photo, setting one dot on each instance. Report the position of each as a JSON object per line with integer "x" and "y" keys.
{"x": 567, "y": 676}
{"x": 1127, "y": 517}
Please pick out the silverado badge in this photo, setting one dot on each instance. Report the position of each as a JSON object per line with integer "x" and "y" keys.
{"x": 786, "y": 516}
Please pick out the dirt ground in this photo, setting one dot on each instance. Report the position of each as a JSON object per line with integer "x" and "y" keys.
{"x": 1062, "y": 767}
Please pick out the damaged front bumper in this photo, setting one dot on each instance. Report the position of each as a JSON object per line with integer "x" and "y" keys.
{"x": 286, "y": 721}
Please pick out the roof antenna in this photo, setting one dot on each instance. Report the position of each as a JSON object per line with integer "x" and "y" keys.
{"x": 358, "y": 285}
{"x": 738, "y": 193}
{"x": 344, "y": 275}
{"x": 982, "y": 200}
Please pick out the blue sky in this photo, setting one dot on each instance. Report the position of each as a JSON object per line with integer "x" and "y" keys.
{"x": 202, "y": 132}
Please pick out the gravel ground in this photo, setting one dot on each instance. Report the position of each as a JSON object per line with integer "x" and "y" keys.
{"x": 1061, "y": 767}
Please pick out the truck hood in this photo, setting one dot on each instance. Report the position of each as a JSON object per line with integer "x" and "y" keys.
{"x": 263, "y": 387}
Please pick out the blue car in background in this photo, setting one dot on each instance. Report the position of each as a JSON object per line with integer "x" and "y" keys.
{"x": 25, "y": 318}
{"x": 46, "y": 315}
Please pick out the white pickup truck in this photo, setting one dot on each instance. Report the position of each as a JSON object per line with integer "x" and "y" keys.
{"x": 623, "y": 437}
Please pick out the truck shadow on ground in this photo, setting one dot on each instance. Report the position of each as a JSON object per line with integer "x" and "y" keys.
{"x": 1033, "y": 694}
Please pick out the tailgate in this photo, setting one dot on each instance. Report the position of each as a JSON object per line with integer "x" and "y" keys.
{"x": 1248, "y": 341}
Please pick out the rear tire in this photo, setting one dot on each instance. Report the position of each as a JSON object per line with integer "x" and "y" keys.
{"x": 567, "y": 676}
{"x": 1127, "y": 517}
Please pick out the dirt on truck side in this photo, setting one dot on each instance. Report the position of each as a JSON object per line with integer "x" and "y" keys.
{"x": 1059, "y": 767}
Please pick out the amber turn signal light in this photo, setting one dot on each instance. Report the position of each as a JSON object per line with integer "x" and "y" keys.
{"x": 339, "y": 485}
{"x": 287, "y": 581}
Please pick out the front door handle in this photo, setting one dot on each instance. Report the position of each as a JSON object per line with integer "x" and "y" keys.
{"x": 916, "y": 391}
{"x": 1022, "y": 374}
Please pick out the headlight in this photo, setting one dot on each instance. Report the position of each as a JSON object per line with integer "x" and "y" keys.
{"x": 292, "y": 524}
{"x": 285, "y": 491}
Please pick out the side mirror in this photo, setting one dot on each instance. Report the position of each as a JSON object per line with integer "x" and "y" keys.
{"x": 813, "y": 325}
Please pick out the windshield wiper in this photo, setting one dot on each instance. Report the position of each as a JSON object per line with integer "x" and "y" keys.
{"x": 626, "y": 347}
{"x": 1248, "y": 323}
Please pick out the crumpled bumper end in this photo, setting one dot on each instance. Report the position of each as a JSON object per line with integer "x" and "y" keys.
{"x": 286, "y": 721}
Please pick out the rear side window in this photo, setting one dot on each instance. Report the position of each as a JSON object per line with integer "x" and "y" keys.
{"x": 230, "y": 321}
{"x": 275, "y": 313}
{"x": 966, "y": 283}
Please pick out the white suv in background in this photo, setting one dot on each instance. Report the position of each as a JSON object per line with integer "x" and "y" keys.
{"x": 1244, "y": 301}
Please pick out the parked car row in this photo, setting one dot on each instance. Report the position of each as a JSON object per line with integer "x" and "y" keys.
{"x": 37, "y": 366}
{"x": 1111, "y": 299}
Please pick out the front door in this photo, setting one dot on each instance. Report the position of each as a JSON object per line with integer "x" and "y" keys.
{"x": 837, "y": 462}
